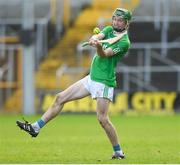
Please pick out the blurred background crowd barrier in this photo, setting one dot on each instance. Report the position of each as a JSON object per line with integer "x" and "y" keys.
{"x": 41, "y": 54}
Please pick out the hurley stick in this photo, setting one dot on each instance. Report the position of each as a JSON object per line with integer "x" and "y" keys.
{"x": 110, "y": 41}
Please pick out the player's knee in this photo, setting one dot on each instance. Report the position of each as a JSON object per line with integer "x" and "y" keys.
{"x": 103, "y": 120}
{"x": 59, "y": 99}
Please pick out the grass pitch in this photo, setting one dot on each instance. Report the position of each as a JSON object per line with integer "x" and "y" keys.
{"x": 80, "y": 139}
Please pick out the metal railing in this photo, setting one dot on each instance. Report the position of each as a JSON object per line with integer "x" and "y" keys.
{"x": 145, "y": 70}
{"x": 9, "y": 79}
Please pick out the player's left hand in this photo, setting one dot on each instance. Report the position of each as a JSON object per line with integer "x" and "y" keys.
{"x": 97, "y": 44}
{"x": 94, "y": 42}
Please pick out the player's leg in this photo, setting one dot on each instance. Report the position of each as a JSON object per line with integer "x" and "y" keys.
{"x": 102, "y": 115}
{"x": 75, "y": 91}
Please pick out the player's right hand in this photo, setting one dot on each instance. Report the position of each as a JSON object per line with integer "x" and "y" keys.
{"x": 93, "y": 41}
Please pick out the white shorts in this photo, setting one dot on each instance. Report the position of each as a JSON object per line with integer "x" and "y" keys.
{"x": 97, "y": 89}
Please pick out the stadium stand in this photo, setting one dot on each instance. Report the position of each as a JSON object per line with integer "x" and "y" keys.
{"x": 56, "y": 70}
{"x": 64, "y": 52}
{"x": 11, "y": 51}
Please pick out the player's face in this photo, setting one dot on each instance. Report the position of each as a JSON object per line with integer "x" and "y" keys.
{"x": 118, "y": 23}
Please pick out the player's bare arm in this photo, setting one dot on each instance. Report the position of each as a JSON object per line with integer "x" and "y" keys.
{"x": 103, "y": 52}
{"x": 96, "y": 37}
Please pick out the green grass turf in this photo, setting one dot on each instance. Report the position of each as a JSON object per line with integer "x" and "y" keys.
{"x": 80, "y": 139}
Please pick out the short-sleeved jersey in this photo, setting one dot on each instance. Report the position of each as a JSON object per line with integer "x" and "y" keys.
{"x": 103, "y": 69}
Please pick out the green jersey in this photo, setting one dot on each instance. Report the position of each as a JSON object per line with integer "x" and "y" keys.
{"x": 103, "y": 69}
